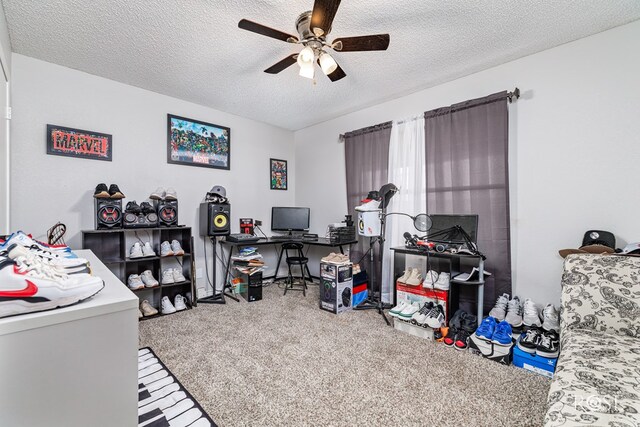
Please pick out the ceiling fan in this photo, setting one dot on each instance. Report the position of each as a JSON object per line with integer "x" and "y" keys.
{"x": 313, "y": 28}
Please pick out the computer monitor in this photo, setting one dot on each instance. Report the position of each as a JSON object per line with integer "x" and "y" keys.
{"x": 468, "y": 223}
{"x": 289, "y": 219}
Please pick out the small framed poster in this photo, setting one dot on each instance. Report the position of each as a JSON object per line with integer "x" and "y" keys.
{"x": 70, "y": 142}
{"x": 195, "y": 143}
{"x": 279, "y": 176}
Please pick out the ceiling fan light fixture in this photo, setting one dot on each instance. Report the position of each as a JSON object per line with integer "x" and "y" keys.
{"x": 327, "y": 63}
{"x": 306, "y": 56}
{"x": 307, "y": 70}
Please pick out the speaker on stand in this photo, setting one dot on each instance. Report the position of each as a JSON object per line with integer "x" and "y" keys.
{"x": 108, "y": 213}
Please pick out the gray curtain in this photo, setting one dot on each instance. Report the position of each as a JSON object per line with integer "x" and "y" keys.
{"x": 467, "y": 173}
{"x": 367, "y": 162}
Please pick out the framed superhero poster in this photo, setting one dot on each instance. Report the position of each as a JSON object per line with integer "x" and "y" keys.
{"x": 195, "y": 143}
{"x": 278, "y": 174}
{"x": 70, "y": 142}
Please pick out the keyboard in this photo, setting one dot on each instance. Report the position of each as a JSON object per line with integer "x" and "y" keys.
{"x": 242, "y": 238}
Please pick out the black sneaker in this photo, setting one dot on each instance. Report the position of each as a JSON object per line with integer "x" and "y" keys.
{"x": 101, "y": 192}
{"x": 548, "y": 345}
{"x": 529, "y": 340}
{"x": 456, "y": 320}
{"x": 425, "y": 309}
{"x": 147, "y": 208}
{"x": 114, "y": 192}
{"x": 450, "y": 339}
{"x": 461, "y": 340}
{"x": 469, "y": 323}
{"x": 132, "y": 207}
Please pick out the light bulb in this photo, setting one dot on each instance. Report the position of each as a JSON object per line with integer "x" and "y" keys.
{"x": 327, "y": 63}
{"x": 306, "y": 56}
{"x": 307, "y": 70}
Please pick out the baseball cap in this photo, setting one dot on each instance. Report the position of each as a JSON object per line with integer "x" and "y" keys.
{"x": 593, "y": 242}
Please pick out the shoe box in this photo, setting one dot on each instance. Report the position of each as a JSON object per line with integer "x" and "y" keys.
{"x": 422, "y": 295}
{"x": 336, "y": 287}
{"x": 360, "y": 285}
{"x": 415, "y": 330}
{"x": 490, "y": 350}
{"x": 534, "y": 363}
{"x": 253, "y": 289}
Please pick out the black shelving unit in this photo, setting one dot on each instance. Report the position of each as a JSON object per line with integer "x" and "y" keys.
{"x": 113, "y": 246}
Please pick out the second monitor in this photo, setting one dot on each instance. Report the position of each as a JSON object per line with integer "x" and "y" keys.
{"x": 290, "y": 219}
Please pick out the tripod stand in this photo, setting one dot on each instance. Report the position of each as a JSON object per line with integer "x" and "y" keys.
{"x": 217, "y": 297}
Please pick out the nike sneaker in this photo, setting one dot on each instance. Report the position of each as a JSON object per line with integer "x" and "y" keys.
{"x": 548, "y": 345}
{"x": 499, "y": 310}
{"x": 469, "y": 322}
{"x": 29, "y": 285}
{"x": 415, "y": 278}
{"x": 435, "y": 318}
{"x": 136, "y": 251}
{"x": 147, "y": 250}
{"x": 158, "y": 194}
{"x": 443, "y": 282}
{"x": 55, "y": 259}
{"x": 115, "y": 193}
{"x": 398, "y": 308}
{"x": 133, "y": 207}
{"x": 148, "y": 279}
{"x": 408, "y": 312}
{"x": 178, "y": 276}
{"x": 25, "y": 240}
{"x": 134, "y": 282}
{"x": 461, "y": 340}
{"x": 147, "y": 309}
{"x": 146, "y": 208}
{"x": 170, "y": 194}
{"x": 101, "y": 192}
{"x": 166, "y": 306}
{"x": 430, "y": 279}
{"x": 529, "y": 340}
{"x": 551, "y": 318}
{"x": 531, "y": 316}
{"x": 176, "y": 248}
{"x": 167, "y": 277}
{"x": 165, "y": 249}
{"x": 486, "y": 328}
{"x": 502, "y": 334}
{"x": 420, "y": 316}
{"x": 455, "y": 321}
{"x": 405, "y": 275}
{"x": 179, "y": 303}
{"x": 449, "y": 339}
{"x": 514, "y": 313}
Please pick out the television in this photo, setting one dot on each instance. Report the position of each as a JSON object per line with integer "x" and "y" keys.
{"x": 469, "y": 223}
{"x": 289, "y": 219}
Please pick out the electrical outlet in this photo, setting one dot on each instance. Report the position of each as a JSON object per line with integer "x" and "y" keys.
{"x": 198, "y": 273}
{"x": 257, "y": 222}
{"x": 201, "y": 292}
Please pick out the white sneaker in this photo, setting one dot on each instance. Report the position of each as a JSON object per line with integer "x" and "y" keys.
{"x": 176, "y": 248}
{"x": 171, "y": 194}
{"x": 514, "y": 313}
{"x": 435, "y": 318}
{"x": 136, "y": 251}
{"x": 158, "y": 194}
{"x": 398, "y": 308}
{"x": 165, "y": 249}
{"x": 405, "y": 276}
{"x": 531, "y": 316}
{"x": 167, "y": 307}
{"x": 147, "y": 250}
{"x": 409, "y": 311}
{"x": 167, "y": 277}
{"x": 551, "y": 318}
{"x": 134, "y": 282}
{"x": 178, "y": 303}
{"x": 148, "y": 279}
{"x": 499, "y": 310}
{"x": 415, "y": 279}
{"x": 443, "y": 282}
{"x": 178, "y": 276}
{"x": 147, "y": 309}
{"x": 432, "y": 277}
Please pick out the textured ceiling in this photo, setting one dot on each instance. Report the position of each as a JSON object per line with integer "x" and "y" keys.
{"x": 193, "y": 49}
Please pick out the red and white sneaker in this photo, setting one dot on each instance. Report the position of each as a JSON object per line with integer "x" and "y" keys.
{"x": 28, "y": 284}
{"x": 65, "y": 265}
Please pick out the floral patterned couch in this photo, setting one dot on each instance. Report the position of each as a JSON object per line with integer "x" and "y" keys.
{"x": 597, "y": 379}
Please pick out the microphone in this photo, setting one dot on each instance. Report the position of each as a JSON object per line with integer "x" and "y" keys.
{"x": 407, "y": 235}
{"x": 409, "y": 239}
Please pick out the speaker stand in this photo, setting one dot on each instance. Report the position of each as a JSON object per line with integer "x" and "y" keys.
{"x": 217, "y": 297}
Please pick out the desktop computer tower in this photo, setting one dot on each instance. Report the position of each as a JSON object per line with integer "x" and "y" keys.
{"x": 253, "y": 289}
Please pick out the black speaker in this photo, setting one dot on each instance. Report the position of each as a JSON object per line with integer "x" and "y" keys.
{"x": 215, "y": 219}
{"x": 167, "y": 212}
{"x": 131, "y": 220}
{"x": 108, "y": 213}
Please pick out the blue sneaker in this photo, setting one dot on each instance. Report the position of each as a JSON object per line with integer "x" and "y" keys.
{"x": 486, "y": 328}
{"x": 502, "y": 334}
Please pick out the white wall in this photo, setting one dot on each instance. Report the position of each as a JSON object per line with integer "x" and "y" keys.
{"x": 574, "y": 149}
{"x": 5, "y": 71}
{"x": 46, "y": 189}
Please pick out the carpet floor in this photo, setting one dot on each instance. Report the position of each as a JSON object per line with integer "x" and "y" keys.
{"x": 282, "y": 361}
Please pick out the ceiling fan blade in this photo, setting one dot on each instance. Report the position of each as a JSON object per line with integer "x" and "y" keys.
{"x": 285, "y": 63}
{"x": 362, "y": 43}
{"x": 322, "y": 16}
{"x": 337, "y": 74}
{"x": 245, "y": 24}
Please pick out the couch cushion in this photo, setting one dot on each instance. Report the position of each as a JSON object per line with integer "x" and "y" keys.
{"x": 597, "y": 381}
{"x": 601, "y": 292}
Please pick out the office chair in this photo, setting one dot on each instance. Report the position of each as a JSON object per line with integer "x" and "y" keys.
{"x": 298, "y": 259}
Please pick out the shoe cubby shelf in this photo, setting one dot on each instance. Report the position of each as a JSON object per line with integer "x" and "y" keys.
{"x": 113, "y": 246}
